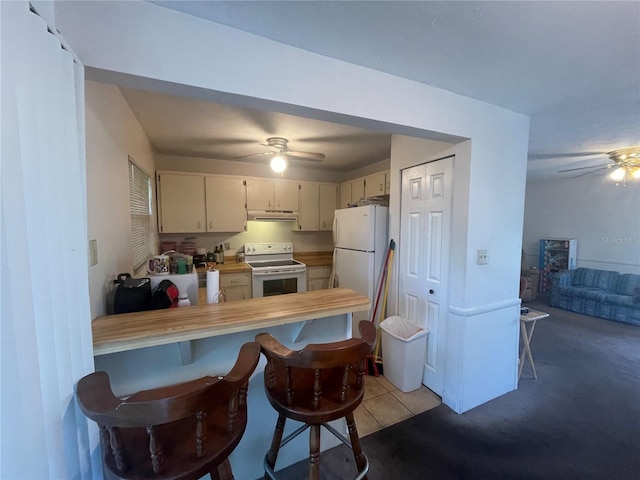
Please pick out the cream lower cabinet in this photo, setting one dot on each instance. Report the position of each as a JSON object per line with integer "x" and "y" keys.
{"x": 181, "y": 203}
{"x": 225, "y": 204}
{"x": 318, "y": 278}
{"x": 236, "y": 285}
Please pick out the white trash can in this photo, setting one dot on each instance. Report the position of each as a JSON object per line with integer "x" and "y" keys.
{"x": 404, "y": 349}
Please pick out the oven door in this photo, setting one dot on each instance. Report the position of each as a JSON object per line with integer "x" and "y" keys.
{"x": 267, "y": 284}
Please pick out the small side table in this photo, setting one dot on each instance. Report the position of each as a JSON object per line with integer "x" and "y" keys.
{"x": 529, "y": 319}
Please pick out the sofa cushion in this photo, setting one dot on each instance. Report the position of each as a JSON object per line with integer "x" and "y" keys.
{"x": 615, "y": 299}
{"x": 589, "y": 293}
{"x": 590, "y": 277}
{"x": 627, "y": 284}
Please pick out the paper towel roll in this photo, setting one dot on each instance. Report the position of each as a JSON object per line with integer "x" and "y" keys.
{"x": 213, "y": 286}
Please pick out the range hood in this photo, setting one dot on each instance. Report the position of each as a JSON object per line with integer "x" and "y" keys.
{"x": 272, "y": 215}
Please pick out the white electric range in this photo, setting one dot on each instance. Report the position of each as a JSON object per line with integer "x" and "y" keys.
{"x": 273, "y": 269}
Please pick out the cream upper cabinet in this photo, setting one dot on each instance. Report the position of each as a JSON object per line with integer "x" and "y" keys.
{"x": 267, "y": 194}
{"x": 317, "y": 206}
{"x": 260, "y": 194}
{"x": 357, "y": 189}
{"x": 308, "y": 212}
{"x": 226, "y": 199}
{"x": 375, "y": 185}
{"x": 327, "y": 204}
{"x": 345, "y": 195}
{"x": 181, "y": 203}
{"x": 286, "y": 195}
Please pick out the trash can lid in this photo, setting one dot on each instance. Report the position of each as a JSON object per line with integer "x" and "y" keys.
{"x": 403, "y": 329}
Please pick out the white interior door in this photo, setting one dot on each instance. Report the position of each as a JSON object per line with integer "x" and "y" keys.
{"x": 424, "y": 258}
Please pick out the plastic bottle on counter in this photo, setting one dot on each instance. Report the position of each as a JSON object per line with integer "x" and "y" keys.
{"x": 183, "y": 300}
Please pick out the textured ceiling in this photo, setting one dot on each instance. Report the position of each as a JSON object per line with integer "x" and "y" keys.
{"x": 574, "y": 67}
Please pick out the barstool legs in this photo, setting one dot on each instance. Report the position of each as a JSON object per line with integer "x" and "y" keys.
{"x": 272, "y": 456}
{"x": 314, "y": 453}
{"x": 361, "y": 461}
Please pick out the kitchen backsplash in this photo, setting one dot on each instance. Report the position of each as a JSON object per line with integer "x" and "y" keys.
{"x": 258, "y": 232}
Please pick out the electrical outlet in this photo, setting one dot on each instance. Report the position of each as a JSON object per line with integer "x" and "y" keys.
{"x": 93, "y": 252}
{"x": 226, "y": 246}
{"x": 483, "y": 257}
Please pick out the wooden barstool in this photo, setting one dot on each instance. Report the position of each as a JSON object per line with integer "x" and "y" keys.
{"x": 315, "y": 385}
{"x": 181, "y": 431}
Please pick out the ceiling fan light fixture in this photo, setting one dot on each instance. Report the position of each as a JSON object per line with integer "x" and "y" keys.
{"x": 618, "y": 174}
{"x": 625, "y": 154}
{"x": 279, "y": 163}
{"x": 635, "y": 172}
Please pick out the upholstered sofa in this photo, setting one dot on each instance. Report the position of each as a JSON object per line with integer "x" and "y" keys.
{"x": 599, "y": 293}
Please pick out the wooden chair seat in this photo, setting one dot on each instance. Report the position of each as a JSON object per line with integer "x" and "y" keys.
{"x": 315, "y": 385}
{"x": 181, "y": 431}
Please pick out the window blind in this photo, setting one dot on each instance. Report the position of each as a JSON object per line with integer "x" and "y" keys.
{"x": 140, "y": 206}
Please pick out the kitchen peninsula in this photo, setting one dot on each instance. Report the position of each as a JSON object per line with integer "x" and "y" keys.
{"x": 142, "y": 350}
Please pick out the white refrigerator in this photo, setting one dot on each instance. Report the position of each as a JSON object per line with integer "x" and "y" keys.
{"x": 360, "y": 237}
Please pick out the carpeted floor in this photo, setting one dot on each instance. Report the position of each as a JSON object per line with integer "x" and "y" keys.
{"x": 579, "y": 420}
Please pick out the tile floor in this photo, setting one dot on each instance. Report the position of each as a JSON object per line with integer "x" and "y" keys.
{"x": 383, "y": 404}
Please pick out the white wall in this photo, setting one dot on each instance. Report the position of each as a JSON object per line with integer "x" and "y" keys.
{"x": 146, "y": 46}
{"x": 605, "y": 219}
{"x": 113, "y": 134}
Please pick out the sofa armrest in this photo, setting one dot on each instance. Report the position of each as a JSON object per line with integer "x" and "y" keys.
{"x": 562, "y": 279}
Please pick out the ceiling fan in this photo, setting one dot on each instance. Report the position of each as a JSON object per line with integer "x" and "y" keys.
{"x": 626, "y": 161}
{"x": 278, "y": 145}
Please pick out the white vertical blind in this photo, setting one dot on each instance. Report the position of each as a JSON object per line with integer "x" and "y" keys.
{"x": 46, "y": 324}
{"x": 140, "y": 206}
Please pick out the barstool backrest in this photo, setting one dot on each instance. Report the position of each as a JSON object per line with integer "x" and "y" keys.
{"x": 180, "y": 431}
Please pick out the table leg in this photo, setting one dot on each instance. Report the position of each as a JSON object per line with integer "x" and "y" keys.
{"x": 526, "y": 348}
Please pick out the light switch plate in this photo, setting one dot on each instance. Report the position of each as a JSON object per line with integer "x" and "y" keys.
{"x": 483, "y": 257}
{"x": 93, "y": 252}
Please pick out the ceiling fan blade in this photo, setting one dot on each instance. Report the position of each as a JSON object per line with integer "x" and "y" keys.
{"x": 550, "y": 156}
{"x": 242, "y": 157}
{"x": 593, "y": 171}
{"x": 583, "y": 168}
{"x": 306, "y": 155}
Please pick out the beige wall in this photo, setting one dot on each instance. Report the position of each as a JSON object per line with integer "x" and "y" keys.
{"x": 113, "y": 134}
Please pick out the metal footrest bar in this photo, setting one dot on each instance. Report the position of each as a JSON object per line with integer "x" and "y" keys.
{"x": 271, "y": 472}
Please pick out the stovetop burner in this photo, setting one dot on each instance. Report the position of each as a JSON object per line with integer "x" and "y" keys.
{"x": 274, "y": 263}
{"x": 274, "y": 256}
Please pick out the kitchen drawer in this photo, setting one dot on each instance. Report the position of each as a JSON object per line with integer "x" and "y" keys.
{"x": 235, "y": 280}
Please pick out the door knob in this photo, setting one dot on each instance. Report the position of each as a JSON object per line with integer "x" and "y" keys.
{"x": 431, "y": 291}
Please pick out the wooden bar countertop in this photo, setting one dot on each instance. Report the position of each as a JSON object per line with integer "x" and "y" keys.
{"x": 128, "y": 331}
